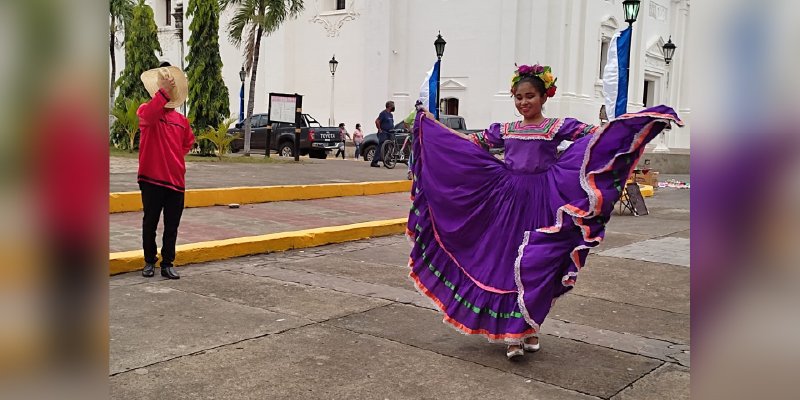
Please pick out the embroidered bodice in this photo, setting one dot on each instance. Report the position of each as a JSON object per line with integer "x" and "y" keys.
{"x": 532, "y": 148}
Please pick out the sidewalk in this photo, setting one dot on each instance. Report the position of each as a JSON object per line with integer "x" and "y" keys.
{"x": 202, "y": 175}
{"x": 344, "y": 322}
{"x": 214, "y": 223}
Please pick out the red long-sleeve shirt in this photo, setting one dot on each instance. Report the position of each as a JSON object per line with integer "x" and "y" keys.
{"x": 166, "y": 138}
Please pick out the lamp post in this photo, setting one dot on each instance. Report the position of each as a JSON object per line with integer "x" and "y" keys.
{"x": 177, "y": 15}
{"x": 631, "y": 8}
{"x": 332, "y": 64}
{"x": 439, "y": 45}
{"x": 242, "y": 74}
{"x": 669, "y": 51}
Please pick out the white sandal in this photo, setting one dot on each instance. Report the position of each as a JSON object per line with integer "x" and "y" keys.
{"x": 532, "y": 347}
{"x": 514, "y": 354}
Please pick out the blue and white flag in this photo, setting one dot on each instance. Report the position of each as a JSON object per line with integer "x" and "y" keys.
{"x": 615, "y": 74}
{"x": 427, "y": 92}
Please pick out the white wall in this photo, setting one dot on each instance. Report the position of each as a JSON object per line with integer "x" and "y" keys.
{"x": 386, "y": 50}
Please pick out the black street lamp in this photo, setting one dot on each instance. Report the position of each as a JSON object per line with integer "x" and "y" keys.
{"x": 669, "y": 50}
{"x": 242, "y": 74}
{"x": 631, "y": 8}
{"x": 332, "y": 64}
{"x": 439, "y": 45}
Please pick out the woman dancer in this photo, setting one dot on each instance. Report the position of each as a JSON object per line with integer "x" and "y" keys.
{"x": 496, "y": 242}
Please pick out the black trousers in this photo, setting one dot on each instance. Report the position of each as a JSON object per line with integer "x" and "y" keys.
{"x": 339, "y": 151}
{"x": 155, "y": 199}
{"x": 382, "y": 137}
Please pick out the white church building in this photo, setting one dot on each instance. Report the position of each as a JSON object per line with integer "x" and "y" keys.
{"x": 385, "y": 47}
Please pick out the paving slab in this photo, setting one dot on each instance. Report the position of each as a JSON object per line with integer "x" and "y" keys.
{"x": 325, "y": 362}
{"x": 623, "y": 318}
{"x": 562, "y": 362}
{"x": 394, "y": 254}
{"x": 282, "y": 297}
{"x": 625, "y": 342}
{"x": 668, "y": 382}
{"x": 646, "y": 284}
{"x": 667, "y": 250}
{"x": 341, "y": 284}
{"x": 681, "y": 234}
{"x": 151, "y": 323}
{"x": 617, "y": 239}
{"x": 356, "y": 269}
{"x": 647, "y": 225}
{"x": 666, "y": 198}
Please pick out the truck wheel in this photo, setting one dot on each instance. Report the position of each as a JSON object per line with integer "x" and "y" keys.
{"x": 286, "y": 149}
{"x": 369, "y": 153}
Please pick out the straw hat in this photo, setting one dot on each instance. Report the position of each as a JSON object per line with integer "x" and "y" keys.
{"x": 179, "y": 92}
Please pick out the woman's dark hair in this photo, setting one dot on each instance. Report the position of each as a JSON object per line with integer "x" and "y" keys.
{"x": 534, "y": 80}
{"x": 341, "y": 125}
{"x": 358, "y": 126}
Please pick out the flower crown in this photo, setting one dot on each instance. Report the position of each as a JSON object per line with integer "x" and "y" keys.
{"x": 542, "y": 72}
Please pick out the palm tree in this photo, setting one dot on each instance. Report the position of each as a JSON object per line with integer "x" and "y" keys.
{"x": 219, "y": 137}
{"x": 257, "y": 18}
{"x": 120, "y": 11}
{"x": 127, "y": 118}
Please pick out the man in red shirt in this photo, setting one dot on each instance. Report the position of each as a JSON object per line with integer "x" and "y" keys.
{"x": 166, "y": 138}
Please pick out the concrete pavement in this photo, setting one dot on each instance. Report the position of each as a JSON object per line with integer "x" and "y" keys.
{"x": 344, "y": 321}
{"x": 201, "y": 175}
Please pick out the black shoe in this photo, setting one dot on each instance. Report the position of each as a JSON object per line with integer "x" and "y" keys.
{"x": 148, "y": 270}
{"x": 375, "y": 165}
{"x": 170, "y": 273}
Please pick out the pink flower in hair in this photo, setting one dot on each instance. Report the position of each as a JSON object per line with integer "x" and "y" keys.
{"x": 525, "y": 69}
{"x": 537, "y": 69}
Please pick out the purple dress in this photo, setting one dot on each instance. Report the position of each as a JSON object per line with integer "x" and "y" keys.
{"x": 496, "y": 242}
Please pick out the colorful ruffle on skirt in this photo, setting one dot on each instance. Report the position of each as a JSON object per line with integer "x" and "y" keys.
{"x": 493, "y": 247}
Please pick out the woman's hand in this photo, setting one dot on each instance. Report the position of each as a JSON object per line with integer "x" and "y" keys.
{"x": 433, "y": 118}
{"x": 427, "y": 113}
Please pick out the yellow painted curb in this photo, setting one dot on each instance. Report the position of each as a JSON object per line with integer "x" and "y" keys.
{"x": 128, "y": 261}
{"x": 132, "y": 201}
{"x": 647, "y": 190}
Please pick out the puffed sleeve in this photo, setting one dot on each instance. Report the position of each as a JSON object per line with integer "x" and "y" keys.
{"x": 572, "y": 129}
{"x": 489, "y": 138}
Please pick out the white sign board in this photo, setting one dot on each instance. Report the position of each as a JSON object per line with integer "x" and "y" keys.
{"x": 282, "y": 108}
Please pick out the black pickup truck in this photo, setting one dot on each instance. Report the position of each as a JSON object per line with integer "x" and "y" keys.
{"x": 315, "y": 140}
{"x": 370, "y": 144}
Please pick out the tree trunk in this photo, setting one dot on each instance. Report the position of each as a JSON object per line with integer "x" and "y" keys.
{"x": 113, "y": 72}
{"x": 251, "y": 99}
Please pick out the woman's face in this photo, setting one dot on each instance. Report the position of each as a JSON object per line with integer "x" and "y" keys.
{"x": 529, "y": 102}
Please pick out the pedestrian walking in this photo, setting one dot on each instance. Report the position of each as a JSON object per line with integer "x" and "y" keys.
{"x": 166, "y": 138}
{"x": 342, "y": 134}
{"x": 384, "y": 123}
{"x": 358, "y": 138}
{"x": 495, "y": 243}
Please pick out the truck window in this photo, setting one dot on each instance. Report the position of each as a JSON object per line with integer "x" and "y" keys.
{"x": 311, "y": 122}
